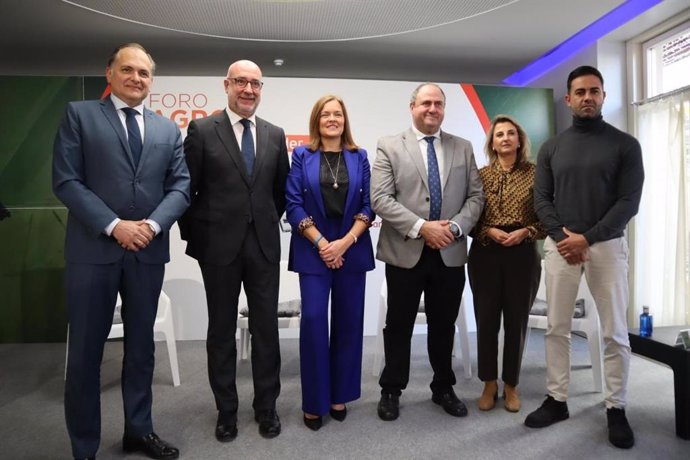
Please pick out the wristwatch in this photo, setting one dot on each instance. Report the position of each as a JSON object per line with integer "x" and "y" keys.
{"x": 455, "y": 230}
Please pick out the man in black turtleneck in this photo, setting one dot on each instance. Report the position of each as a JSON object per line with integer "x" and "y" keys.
{"x": 587, "y": 187}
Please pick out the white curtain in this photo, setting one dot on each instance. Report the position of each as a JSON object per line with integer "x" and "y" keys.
{"x": 662, "y": 246}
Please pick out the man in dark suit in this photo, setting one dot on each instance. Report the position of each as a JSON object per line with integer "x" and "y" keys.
{"x": 120, "y": 170}
{"x": 238, "y": 164}
{"x": 426, "y": 188}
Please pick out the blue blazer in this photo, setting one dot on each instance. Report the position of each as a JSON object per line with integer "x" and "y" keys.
{"x": 303, "y": 196}
{"x": 94, "y": 176}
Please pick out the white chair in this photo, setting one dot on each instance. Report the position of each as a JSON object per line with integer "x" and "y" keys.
{"x": 289, "y": 299}
{"x": 462, "y": 339}
{"x": 589, "y": 324}
{"x": 163, "y": 326}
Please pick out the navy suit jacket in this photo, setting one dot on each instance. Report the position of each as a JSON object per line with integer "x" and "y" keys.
{"x": 94, "y": 176}
{"x": 303, "y": 195}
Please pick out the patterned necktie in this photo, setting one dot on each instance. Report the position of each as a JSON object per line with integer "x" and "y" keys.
{"x": 434, "y": 179}
{"x": 248, "y": 146}
{"x": 133, "y": 134}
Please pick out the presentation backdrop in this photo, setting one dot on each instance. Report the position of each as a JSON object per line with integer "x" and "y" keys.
{"x": 31, "y": 262}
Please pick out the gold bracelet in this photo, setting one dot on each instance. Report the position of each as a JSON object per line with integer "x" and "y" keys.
{"x": 353, "y": 236}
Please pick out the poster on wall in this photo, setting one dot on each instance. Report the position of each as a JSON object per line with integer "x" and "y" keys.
{"x": 31, "y": 265}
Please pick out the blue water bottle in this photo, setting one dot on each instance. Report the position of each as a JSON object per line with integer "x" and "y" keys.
{"x": 646, "y": 323}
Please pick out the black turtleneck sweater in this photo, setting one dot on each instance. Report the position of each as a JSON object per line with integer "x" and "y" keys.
{"x": 589, "y": 180}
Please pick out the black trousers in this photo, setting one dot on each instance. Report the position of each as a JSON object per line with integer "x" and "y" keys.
{"x": 442, "y": 287}
{"x": 261, "y": 280}
{"x": 504, "y": 282}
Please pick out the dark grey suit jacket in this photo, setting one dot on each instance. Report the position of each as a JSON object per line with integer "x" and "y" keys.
{"x": 224, "y": 198}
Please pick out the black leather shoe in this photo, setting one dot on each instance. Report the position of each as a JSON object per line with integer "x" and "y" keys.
{"x": 226, "y": 431}
{"x": 389, "y": 407}
{"x": 269, "y": 423}
{"x": 338, "y": 415}
{"x": 313, "y": 424}
{"x": 450, "y": 403}
{"x": 620, "y": 433}
{"x": 151, "y": 445}
{"x": 550, "y": 412}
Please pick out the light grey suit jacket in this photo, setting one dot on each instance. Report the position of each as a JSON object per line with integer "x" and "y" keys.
{"x": 400, "y": 195}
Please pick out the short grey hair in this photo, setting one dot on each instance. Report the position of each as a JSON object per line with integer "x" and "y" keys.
{"x": 117, "y": 50}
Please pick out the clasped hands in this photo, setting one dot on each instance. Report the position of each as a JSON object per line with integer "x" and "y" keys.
{"x": 332, "y": 252}
{"x": 574, "y": 248}
{"x": 133, "y": 235}
{"x": 507, "y": 238}
{"x": 436, "y": 233}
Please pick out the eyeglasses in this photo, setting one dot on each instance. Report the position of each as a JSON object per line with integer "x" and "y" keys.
{"x": 242, "y": 83}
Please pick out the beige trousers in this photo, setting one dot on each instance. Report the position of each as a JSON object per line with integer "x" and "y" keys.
{"x": 606, "y": 273}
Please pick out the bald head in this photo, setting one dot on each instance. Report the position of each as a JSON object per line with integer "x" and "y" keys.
{"x": 243, "y": 87}
{"x": 241, "y": 66}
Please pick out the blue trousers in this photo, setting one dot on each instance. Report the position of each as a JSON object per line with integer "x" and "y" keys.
{"x": 331, "y": 367}
{"x": 91, "y": 292}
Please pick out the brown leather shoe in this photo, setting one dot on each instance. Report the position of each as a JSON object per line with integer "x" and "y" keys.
{"x": 487, "y": 400}
{"x": 512, "y": 400}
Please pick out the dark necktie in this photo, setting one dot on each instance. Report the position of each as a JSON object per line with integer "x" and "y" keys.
{"x": 133, "y": 134}
{"x": 248, "y": 146}
{"x": 434, "y": 179}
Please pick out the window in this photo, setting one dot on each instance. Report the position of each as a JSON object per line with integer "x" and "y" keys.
{"x": 662, "y": 227}
{"x": 667, "y": 61}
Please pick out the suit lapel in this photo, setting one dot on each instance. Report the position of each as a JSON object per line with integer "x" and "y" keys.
{"x": 412, "y": 147}
{"x": 149, "y": 133}
{"x": 352, "y": 164}
{"x": 312, "y": 162}
{"x": 227, "y": 138}
{"x": 113, "y": 118}
{"x": 261, "y": 144}
{"x": 448, "y": 143}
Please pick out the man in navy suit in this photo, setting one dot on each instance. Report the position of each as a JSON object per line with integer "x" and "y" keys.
{"x": 120, "y": 170}
{"x": 238, "y": 163}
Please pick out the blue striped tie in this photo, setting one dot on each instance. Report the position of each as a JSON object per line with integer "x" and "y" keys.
{"x": 434, "y": 180}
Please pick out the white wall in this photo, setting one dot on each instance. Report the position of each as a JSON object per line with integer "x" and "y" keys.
{"x": 611, "y": 62}
{"x": 376, "y": 108}
{"x": 610, "y": 58}
{"x": 557, "y": 79}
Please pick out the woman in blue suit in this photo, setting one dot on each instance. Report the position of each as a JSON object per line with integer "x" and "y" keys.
{"x": 328, "y": 208}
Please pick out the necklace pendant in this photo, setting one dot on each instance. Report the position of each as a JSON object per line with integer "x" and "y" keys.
{"x": 335, "y": 186}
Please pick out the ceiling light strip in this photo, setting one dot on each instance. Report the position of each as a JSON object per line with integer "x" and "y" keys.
{"x": 576, "y": 43}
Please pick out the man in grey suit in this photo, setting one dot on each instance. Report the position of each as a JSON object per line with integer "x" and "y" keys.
{"x": 239, "y": 165}
{"x": 426, "y": 188}
{"x": 120, "y": 170}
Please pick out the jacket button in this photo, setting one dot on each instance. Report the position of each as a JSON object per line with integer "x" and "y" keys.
{"x": 427, "y": 199}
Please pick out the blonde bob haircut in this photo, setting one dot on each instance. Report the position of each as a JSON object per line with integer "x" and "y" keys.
{"x": 523, "y": 141}
{"x": 346, "y": 140}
